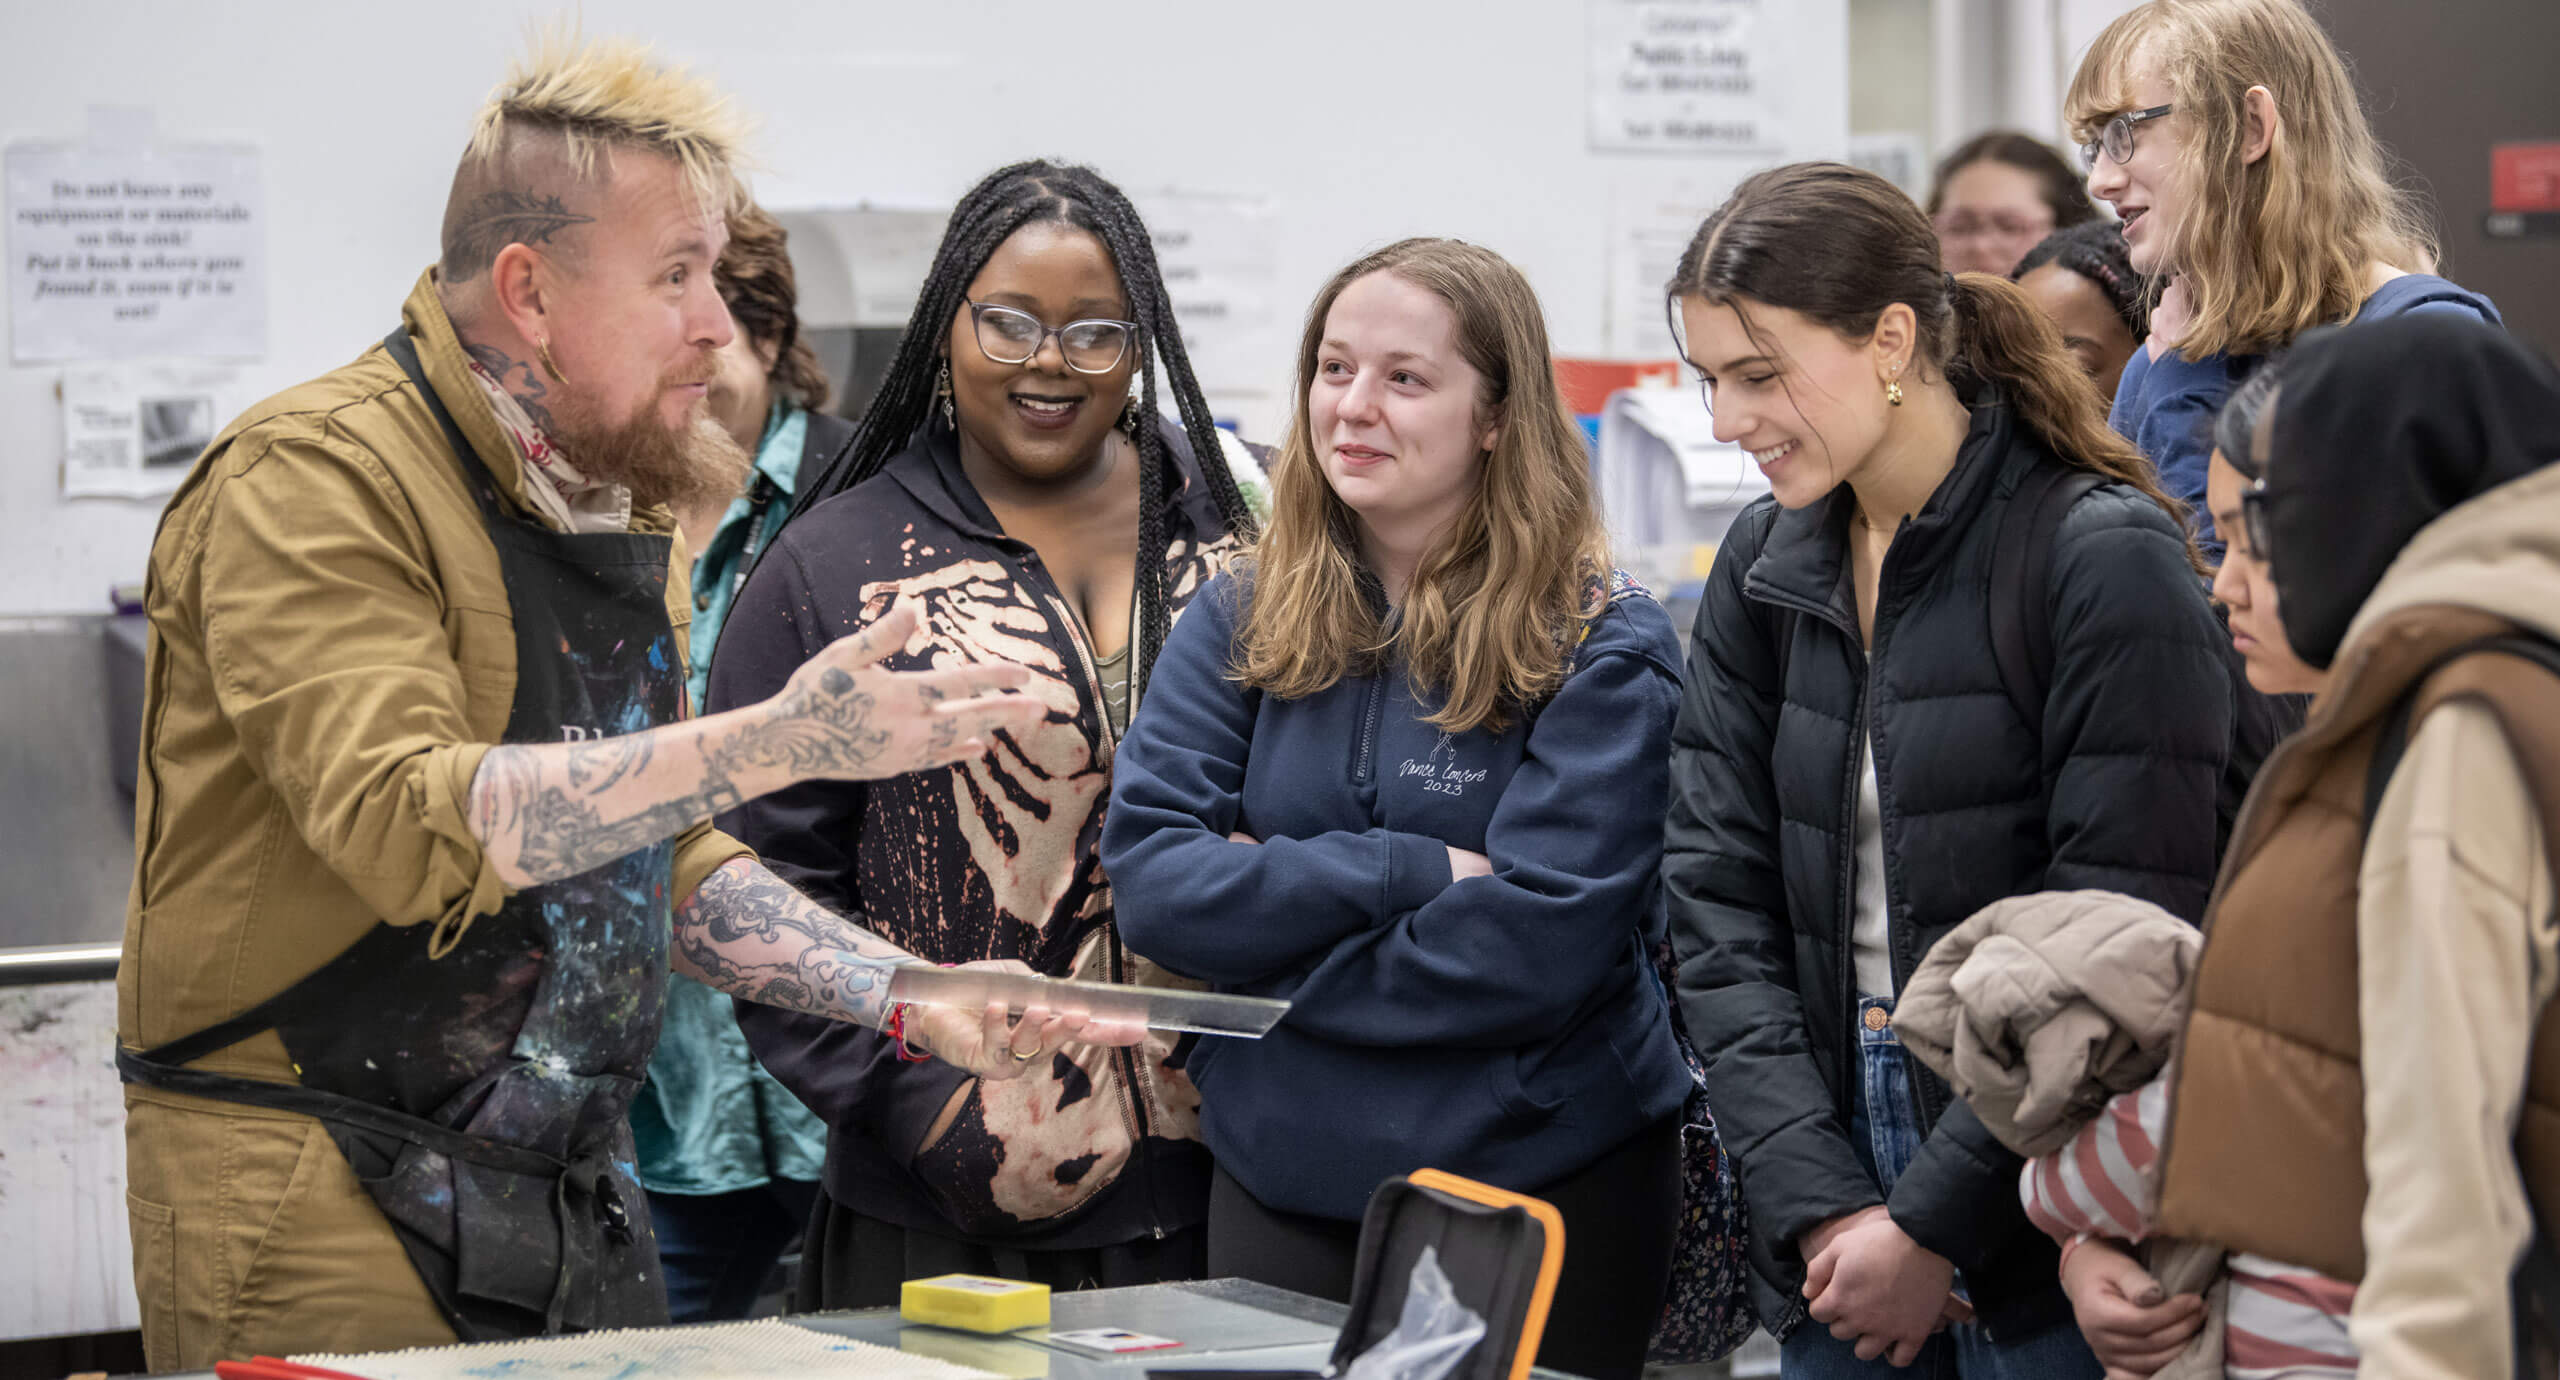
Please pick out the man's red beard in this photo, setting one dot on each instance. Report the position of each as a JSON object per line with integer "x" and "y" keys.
{"x": 685, "y": 467}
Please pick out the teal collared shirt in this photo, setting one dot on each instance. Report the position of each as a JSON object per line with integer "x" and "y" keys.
{"x": 709, "y": 1119}
{"x": 753, "y": 517}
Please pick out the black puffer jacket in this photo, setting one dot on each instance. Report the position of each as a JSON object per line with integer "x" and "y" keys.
{"x": 2115, "y": 790}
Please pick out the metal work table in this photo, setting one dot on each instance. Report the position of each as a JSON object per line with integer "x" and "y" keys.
{"x": 1224, "y": 1324}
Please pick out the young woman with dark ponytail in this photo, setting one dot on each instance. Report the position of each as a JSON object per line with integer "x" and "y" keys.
{"x": 1850, "y": 779}
{"x": 1014, "y": 483}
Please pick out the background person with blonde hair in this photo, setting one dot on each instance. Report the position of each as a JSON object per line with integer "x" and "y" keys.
{"x": 1407, "y": 769}
{"x": 2228, "y": 136}
{"x": 421, "y": 824}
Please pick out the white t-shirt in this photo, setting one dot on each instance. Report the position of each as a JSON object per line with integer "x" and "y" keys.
{"x": 1870, "y": 932}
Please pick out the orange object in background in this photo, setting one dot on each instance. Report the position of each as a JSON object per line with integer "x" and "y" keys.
{"x": 1587, "y": 383}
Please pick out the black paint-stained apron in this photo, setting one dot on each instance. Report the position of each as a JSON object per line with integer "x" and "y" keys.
{"x": 480, "y": 1096}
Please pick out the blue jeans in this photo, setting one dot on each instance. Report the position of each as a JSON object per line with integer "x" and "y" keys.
{"x": 717, "y": 1248}
{"x": 1884, "y": 1128}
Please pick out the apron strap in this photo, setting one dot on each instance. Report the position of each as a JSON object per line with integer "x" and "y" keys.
{"x": 162, "y": 1067}
{"x": 484, "y": 486}
{"x": 328, "y": 1106}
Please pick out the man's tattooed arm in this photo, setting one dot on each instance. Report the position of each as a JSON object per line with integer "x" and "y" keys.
{"x": 545, "y": 811}
{"x": 753, "y": 935}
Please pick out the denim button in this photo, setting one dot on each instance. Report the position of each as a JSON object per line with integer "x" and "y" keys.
{"x": 1876, "y": 1018}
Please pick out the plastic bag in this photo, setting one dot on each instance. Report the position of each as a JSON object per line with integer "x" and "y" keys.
{"x": 1434, "y": 1335}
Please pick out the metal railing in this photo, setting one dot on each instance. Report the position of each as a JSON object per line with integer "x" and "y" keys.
{"x": 58, "y": 963}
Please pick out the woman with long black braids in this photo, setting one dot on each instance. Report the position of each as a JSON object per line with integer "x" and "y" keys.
{"x": 1012, "y": 462}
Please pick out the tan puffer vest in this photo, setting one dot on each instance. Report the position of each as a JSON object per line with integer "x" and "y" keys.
{"x": 2265, "y": 1148}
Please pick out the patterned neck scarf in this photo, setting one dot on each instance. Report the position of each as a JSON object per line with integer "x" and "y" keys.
{"x": 554, "y": 489}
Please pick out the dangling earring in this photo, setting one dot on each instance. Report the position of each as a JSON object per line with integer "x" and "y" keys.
{"x": 1893, "y": 393}
{"x": 543, "y": 348}
{"x": 1137, "y": 399}
{"x": 942, "y": 394}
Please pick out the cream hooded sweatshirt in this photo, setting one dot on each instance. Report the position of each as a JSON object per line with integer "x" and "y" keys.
{"x": 2458, "y": 951}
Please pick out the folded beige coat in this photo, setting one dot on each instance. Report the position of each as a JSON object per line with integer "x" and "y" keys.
{"x": 2040, "y": 1008}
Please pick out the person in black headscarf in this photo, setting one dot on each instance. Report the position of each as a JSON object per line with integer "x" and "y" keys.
{"x": 2390, "y": 893}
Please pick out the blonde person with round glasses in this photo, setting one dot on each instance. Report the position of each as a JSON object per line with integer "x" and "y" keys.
{"x": 2229, "y": 138}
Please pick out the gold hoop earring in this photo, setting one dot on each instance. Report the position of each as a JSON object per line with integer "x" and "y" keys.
{"x": 543, "y": 348}
{"x": 1893, "y": 393}
{"x": 942, "y": 394}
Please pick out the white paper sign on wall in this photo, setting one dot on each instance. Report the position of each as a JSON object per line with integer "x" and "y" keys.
{"x": 123, "y": 247}
{"x": 1220, "y": 254}
{"x": 1682, "y": 76}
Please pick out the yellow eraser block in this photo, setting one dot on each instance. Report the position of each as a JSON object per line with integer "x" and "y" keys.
{"x": 979, "y": 1303}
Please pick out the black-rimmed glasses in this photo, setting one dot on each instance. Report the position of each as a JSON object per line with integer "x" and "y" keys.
{"x": 2115, "y": 137}
{"x": 2253, "y": 518}
{"x": 1008, "y": 336}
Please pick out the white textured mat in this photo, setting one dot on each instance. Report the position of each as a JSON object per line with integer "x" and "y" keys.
{"x": 764, "y": 1350}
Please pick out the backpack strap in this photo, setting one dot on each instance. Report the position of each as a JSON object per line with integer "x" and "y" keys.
{"x": 2394, "y": 743}
{"x": 2022, "y": 582}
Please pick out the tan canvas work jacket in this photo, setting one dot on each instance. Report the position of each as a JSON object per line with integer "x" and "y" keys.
{"x": 2268, "y": 1141}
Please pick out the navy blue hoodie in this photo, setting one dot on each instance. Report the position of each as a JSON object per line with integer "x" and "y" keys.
{"x": 1508, "y": 1028}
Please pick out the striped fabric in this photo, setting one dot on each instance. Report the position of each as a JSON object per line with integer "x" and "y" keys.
{"x": 2284, "y": 1321}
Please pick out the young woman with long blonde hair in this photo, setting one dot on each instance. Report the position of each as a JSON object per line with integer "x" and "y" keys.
{"x": 1407, "y": 768}
{"x": 2228, "y": 135}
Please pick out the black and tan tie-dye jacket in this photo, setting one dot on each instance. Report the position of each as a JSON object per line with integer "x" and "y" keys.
{"x": 996, "y": 858}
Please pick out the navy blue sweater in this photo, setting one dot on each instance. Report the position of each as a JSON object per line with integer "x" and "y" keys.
{"x": 1508, "y": 1028}
{"x": 2167, "y": 406}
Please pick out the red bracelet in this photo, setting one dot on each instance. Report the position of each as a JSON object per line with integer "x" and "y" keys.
{"x": 2076, "y": 1241}
{"x": 896, "y": 1029}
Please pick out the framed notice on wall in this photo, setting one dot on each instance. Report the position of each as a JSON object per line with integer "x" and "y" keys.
{"x": 122, "y": 246}
{"x": 1682, "y": 76}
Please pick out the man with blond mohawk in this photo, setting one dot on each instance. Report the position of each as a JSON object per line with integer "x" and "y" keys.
{"x": 422, "y": 822}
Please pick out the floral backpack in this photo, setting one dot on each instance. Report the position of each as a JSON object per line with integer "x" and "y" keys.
{"x": 1706, "y": 1312}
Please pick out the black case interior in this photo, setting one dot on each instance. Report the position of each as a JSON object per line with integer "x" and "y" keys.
{"x": 1492, "y": 1256}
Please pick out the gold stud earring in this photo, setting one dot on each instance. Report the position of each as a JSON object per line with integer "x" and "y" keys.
{"x": 543, "y": 348}
{"x": 1893, "y": 393}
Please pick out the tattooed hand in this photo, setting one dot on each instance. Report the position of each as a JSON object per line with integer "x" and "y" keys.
{"x": 552, "y": 810}
{"x": 991, "y": 1045}
{"x": 756, "y": 937}
{"x": 843, "y": 717}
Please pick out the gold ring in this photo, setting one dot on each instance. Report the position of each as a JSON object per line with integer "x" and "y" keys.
{"x": 1022, "y": 1058}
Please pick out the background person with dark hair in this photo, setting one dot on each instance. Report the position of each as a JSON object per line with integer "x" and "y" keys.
{"x": 1013, "y": 481}
{"x": 729, "y": 1157}
{"x": 2084, "y": 281}
{"x": 1998, "y": 194}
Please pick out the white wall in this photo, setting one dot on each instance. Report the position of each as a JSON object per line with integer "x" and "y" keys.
{"x": 2006, "y": 63}
{"x": 1363, "y": 123}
